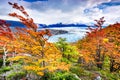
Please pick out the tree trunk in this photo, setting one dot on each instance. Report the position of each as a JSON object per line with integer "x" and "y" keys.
{"x": 4, "y": 57}
{"x": 68, "y": 57}
{"x": 98, "y": 59}
{"x": 111, "y": 65}
{"x": 80, "y": 60}
{"x": 43, "y": 62}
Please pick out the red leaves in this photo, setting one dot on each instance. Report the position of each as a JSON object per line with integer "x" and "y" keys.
{"x": 2, "y": 22}
{"x": 20, "y": 8}
{"x": 96, "y": 32}
{"x": 12, "y": 14}
{"x": 45, "y": 32}
{"x": 100, "y": 23}
{"x": 25, "y": 20}
{"x": 5, "y": 30}
{"x": 48, "y": 32}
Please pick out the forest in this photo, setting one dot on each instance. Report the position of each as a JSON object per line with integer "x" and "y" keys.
{"x": 26, "y": 54}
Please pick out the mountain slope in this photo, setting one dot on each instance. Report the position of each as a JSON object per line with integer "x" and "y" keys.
{"x": 19, "y": 24}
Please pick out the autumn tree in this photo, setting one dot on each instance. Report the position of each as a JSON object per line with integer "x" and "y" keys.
{"x": 98, "y": 34}
{"x": 6, "y": 38}
{"x": 101, "y": 43}
{"x": 112, "y": 45}
{"x": 91, "y": 48}
{"x": 37, "y": 53}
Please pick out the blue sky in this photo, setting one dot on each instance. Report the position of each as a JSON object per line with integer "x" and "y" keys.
{"x": 66, "y": 11}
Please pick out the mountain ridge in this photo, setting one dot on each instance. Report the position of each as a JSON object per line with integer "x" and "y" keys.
{"x": 19, "y": 24}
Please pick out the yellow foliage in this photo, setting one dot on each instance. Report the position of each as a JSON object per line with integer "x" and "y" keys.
{"x": 33, "y": 42}
{"x": 52, "y": 68}
{"x": 17, "y": 58}
{"x": 105, "y": 40}
{"x": 63, "y": 66}
{"x": 40, "y": 60}
{"x": 38, "y": 70}
{"x": 40, "y": 73}
{"x": 34, "y": 68}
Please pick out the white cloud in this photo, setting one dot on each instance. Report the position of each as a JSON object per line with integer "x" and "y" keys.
{"x": 66, "y": 12}
{"x": 91, "y": 3}
{"x": 112, "y": 14}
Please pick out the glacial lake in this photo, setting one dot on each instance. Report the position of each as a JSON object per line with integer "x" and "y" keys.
{"x": 73, "y": 34}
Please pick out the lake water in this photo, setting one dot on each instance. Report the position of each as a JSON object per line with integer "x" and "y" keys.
{"x": 73, "y": 35}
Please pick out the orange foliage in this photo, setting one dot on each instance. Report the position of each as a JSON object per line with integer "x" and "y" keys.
{"x": 38, "y": 53}
{"x": 106, "y": 40}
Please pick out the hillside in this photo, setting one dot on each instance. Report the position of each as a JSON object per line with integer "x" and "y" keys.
{"x": 27, "y": 54}
{"x": 101, "y": 49}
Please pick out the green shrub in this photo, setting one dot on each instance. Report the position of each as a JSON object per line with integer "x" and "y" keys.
{"x": 77, "y": 70}
{"x": 60, "y": 75}
{"x": 109, "y": 76}
{"x": 65, "y": 60}
{"x": 16, "y": 75}
{"x": 68, "y": 51}
{"x": 8, "y": 68}
{"x": 5, "y": 69}
{"x": 65, "y": 76}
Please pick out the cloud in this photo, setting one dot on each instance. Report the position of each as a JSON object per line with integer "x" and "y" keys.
{"x": 63, "y": 5}
{"x": 112, "y": 14}
{"x": 33, "y": 0}
{"x": 66, "y": 11}
{"x": 92, "y": 3}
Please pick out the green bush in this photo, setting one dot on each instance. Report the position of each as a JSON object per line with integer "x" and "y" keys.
{"x": 110, "y": 76}
{"x": 65, "y": 60}
{"x": 5, "y": 69}
{"x": 16, "y": 75}
{"x": 8, "y": 68}
{"x": 59, "y": 75}
{"x": 65, "y": 76}
{"x": 68, "y": 51}
{"x": 77, "y": 70}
